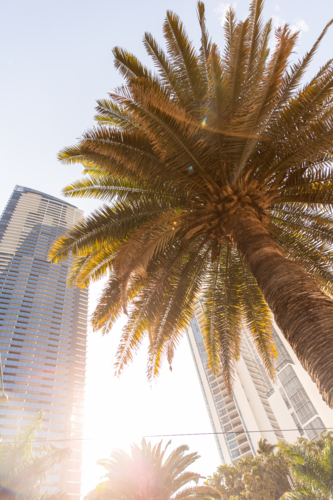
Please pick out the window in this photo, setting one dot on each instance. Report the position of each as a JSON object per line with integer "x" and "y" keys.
{"x": 314, "y": 428}
{"x": 298, "y": 425}
{"x": 283, "y": 357}
{"x": 297, "y": 395}
{"x": 285, "y": 399}
{"x": 235, "y": 453}
{"x": 303, "y": 406}
{"x": 243, "y": 440}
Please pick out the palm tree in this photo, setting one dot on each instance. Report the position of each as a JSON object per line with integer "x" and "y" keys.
{"x": 311, "y": 464}
{"x": 265, "y": 448}
{"x": 147, "y": 474}
{"x": 24, "y": 466}
{"x": 217, "y": 175}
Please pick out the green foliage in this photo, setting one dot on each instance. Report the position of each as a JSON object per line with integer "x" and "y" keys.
{"x": 176, "y": 155}
{"x": 24, "y": 466}
{"x": 263, "y": 477}
{"x": 147, "y": 473}
{"x": 301, "y": 471}
{"x": 311, "y": 464}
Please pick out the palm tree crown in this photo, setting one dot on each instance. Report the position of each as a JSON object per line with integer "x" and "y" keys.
{"x": 265, "y": 448}
{"x": 148, "y": 474}
{"x": 216, "y": 175}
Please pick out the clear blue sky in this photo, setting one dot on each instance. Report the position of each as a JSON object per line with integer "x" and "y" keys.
{"x": 56, "y": 60}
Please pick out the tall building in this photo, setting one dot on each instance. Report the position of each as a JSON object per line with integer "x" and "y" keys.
{"x": 290, "y": 408}
{"x": 43, "y": 329}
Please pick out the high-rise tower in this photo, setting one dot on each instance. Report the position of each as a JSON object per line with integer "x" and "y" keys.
{"x": 290, "y": 408}
{"x": 43, "y": 329}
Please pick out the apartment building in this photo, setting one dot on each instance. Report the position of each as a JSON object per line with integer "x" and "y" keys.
{"x": 290, "y": 408}
{"x": 43, "y": 330}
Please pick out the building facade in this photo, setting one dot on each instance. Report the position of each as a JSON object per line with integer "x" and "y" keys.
{"x": 43, "y": 330}
{"x": 290, "y": 408}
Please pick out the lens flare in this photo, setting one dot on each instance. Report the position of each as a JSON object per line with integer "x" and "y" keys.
{"x": 204, "y": 122}
{"x": 190, "y": 169}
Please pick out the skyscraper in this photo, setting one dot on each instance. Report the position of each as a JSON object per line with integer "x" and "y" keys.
{"x": 43, "y": 329}
{"x": 290, "y": 408}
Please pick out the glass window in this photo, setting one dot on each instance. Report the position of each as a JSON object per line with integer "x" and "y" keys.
{"x": 297, "y": 395}
{"x": 283, "y": 357}
{"x": 314, "y": 428}
{"x": 285, "y": 399}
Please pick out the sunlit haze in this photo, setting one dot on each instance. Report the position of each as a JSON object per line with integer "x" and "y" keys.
{"x": 56, "y": 61}
{"x": 121, "y": 410}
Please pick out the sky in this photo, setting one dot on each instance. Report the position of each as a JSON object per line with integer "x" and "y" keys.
{"x": 56, "y": 60}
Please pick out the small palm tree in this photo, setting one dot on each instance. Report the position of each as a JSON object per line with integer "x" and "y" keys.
{"x": 24, "y": 466}
{"x": 217, "y": 174}
{"x": 265, "y": 448}
{"x": 148, "y": 474}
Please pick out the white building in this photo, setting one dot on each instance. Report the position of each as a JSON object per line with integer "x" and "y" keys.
{"x": 290, "y": 408}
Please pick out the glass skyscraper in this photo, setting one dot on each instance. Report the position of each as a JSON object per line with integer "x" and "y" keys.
{"x": 289, "y": 408}
{"x": 43, "y": 329}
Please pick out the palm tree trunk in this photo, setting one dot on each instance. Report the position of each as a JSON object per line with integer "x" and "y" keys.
{"x": 303, "y": 313}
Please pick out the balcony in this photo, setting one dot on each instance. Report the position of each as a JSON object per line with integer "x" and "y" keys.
{"x": 238, "y": 426}
{"x": 235, "y": 454}
{"x": 233, "y": 413}
{"x": 236, "y": 444}
{"x": 233, "y": 445}
{"x": 243, "y": 440}
{"x": 246, "y": 450}
{"x": 240, "y": 454}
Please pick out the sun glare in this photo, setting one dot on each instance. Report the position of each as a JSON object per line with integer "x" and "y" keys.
{"x": 121, "y": 410}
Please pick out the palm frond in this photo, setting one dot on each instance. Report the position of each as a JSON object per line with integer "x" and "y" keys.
{"x": 166, "y": 71}
{"x": 258, "y": 321}
{"x": 266, "y": 97}
{"x": 130, "y": 67}
{"x": 182, "y": 284}
{"x": 206, "y": 44}
{"x": 222, "y": 310}
{"x": 102, "y": 187}
{"x": 255, "y": 32}
{"x": 184, "y": 59}
{"x": 89, "y": 235}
